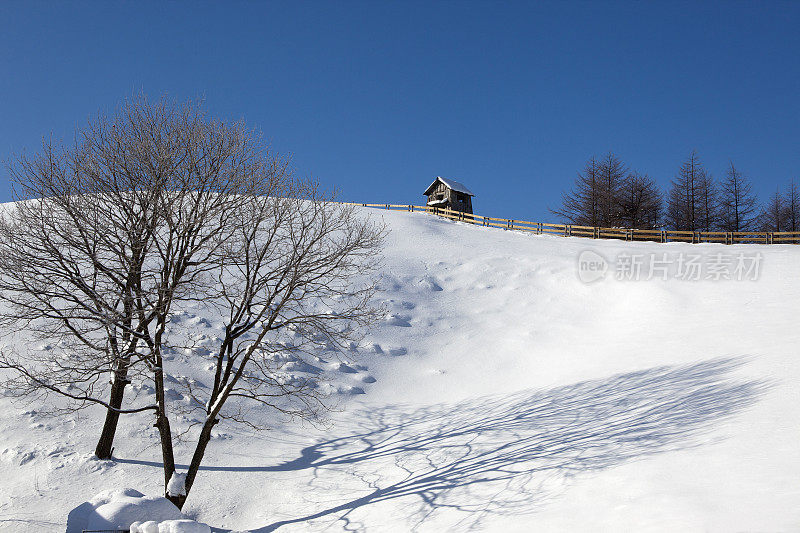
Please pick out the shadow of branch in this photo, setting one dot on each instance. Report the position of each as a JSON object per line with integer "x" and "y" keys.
{"x": 504, "y": 454}
{"x": 510, "y": 454}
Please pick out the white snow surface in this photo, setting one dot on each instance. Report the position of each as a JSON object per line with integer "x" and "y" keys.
{"x": 438, "y": 202}
{"x": 177, "y": 485}
{"x": 500, "y": 393}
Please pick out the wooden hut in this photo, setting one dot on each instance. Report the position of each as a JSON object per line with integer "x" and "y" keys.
{"x": 450, "y": 194}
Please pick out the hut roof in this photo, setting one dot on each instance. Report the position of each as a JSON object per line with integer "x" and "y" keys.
{"x": 450, "y": 184}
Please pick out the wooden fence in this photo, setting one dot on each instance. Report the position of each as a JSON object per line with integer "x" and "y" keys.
{"x": 594, "y": 232}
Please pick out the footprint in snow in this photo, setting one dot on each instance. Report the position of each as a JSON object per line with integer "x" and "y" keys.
{"x": 375, "y": 347}
{"x": 389, "y": 283}
{"x": 430, "y": 284}
{"x": 189, "y": 318}
{"x": 301, "y": 366}
{"x": 199, "y": 321}
{"x": 172, "y": 394}
{"x": 398, "y": 320}
{"x": 27, "y": 458}
{"x": 397, "y": 351}
{"x": 347, "y": 369}
{"x": 404, "y": 304}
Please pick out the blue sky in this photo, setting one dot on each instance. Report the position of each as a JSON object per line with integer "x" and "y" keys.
{"x": 377, "y": 98}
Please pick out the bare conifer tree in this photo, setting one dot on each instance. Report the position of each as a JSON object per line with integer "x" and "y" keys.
{"x": 708, "y": 214}
{"x": 791, "y": 203}
{"x": 684, "y": 204}
{"x": 582, "y": 205}
{"x": 612, "y": 173}
{"x": 737, "y": 205}
{"x": 773, "y": 216}
{"x": 595, "y": 198}
{"x": 640, "y": 200}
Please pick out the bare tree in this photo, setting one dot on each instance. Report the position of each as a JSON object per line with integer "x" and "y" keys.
{"x": 612, "y": 173}
{"x": 582, "y": 205}
{"x": 709, "y": 204}
{"x": 595, "y": 198}
{"x": 220, "y": 221}
{"x": 791, "y": 203}
{"x": 72, "y": 251}
{"x": 773, "y": 216}
{"x": 687, "y": 199}
{"x": 285, "y": 286}
{"x": 737, "y": 206}
{"x": 640, "y": 201}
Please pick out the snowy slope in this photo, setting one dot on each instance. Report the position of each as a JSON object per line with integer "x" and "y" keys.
{"x": 501, "y": 393}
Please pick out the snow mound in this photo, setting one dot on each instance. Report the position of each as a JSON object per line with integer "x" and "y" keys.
{"x": 170, "y": 526}
{"x": 118, "y": 509}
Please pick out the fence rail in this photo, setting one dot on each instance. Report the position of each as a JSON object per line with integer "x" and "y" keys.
{"x": 595, "y": 232}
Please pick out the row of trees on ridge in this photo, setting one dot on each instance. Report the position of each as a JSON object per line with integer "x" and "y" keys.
{"x": 608, "y": 194}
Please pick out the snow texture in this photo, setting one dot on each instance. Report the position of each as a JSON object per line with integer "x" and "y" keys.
{"x": 169, "y": 526}
{"x": 498, "y": 392}
{"x": 177, "y": 485}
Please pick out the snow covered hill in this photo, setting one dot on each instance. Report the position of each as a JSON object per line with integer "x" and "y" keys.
{"x": 500, "y": 393}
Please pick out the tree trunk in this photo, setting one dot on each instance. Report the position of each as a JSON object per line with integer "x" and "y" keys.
{"x": 165, "y": 433}
{"x": 106, "y": 442}
{"x": 199, "y": 451}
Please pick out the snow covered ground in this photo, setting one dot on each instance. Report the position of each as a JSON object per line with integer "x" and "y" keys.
{"x": 500, "y": 393}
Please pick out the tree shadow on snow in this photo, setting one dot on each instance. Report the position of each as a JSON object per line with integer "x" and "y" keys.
{"x": 510, "y": 454}
{"x": 504, "y": 455}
